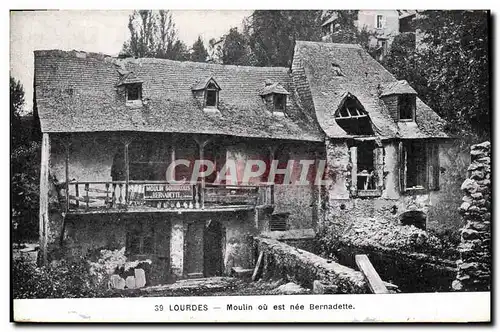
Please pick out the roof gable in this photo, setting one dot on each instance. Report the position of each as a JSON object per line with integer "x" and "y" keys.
{"x": 202, "y": 85}
{"x": 363, "y": 78}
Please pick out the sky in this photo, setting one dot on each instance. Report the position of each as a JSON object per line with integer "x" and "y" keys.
{"x": 97, "y": 31}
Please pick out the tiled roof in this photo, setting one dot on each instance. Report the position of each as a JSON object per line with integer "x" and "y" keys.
{"x": 273, "y": 88}
{"x": 398, "y": 87}
{"x": 77, "y": 92}
{"x": 362, "y": 77}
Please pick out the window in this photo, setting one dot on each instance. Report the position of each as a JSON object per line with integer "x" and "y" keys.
{"x": 420, "y": 166}
{"x": 279, "y": 102}
{"x": 336, "y": 70}
{"x": 211, "y": 96}
{"x": 380, "y": 21}
{"x": 365, "y": 167}
{"x": 352, "y": 117}
{"x": 407, "y": 106}
{"x": 367, "y": 162}
{"x": 140, "y": 239}
{"x": 134, "y": 92}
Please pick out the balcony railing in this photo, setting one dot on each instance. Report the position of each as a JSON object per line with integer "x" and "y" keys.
{"x": 95, "y": 196}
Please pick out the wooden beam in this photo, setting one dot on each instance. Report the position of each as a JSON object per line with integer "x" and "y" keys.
{"x": 375, "y": 283}
{"x": 202, "y": 142}
{"x": 257, "y": 266}
{"x": 44, "y": 196}
{"x": 127, "y": 170}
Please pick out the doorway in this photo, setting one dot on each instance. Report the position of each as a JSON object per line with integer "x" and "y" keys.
{"x": 213, "y": 240}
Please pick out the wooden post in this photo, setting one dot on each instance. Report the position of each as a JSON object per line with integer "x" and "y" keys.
{"x": 201, "y": 145}
{"x": 374, "y": 281}
{"x": 172, "y": 160}
{"x": 272, "y": 151}
{"x": 66, "y": 148}
{"x": 44, "y": 197}
{"x": 354, "y": 170}
{"x": 127, "y": 171}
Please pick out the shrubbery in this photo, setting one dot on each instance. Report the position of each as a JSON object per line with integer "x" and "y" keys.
{"x": 66, "y": 280}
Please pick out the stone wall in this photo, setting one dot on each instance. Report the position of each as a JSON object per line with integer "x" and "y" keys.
{"x": 299, "y": 266}
{"x": 474, "y": 266}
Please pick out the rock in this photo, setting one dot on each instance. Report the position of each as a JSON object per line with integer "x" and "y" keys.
{"x": 477, "y": 195}
{"x": 469, "y": 234}
{"x": 468, "y": 266}
{"x": 117, "y": 282}
{"x": 140, "y": 278}
{"x": 469, "y": 185}
{"x": 464, "y": 207}
{"x": 130, "y": 282}
{"x": 485, "y": 146}
{"x": 290, "y": 288}
{"x": 456, "y": 285}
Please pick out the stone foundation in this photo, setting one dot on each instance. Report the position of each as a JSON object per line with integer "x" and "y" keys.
{"x": 474, "y": 266}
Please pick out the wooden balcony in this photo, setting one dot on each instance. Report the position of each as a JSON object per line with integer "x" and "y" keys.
{"x": 160, "y": 196}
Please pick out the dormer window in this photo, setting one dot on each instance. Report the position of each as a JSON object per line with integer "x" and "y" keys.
{"x": 132, "y": 85}
{"x": 407, "y": 106}
{"x": 352, "y": 117}
{"x": 207, "y": 93}
{"x": 134, "y": 92}
{"x": 400, "y": 99}
{"x": 211, "y": 96}
{"x": 274, "y": 96}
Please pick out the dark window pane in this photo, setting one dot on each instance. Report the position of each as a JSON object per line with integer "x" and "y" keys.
{"x": 279, "y": 102}
{"x": 416, "y": 163}
{"x": 211, "y": 98}
{"x": 134, "y": 92}
{"x": 406, "y": 107}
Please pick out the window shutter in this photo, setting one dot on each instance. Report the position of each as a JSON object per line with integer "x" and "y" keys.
{"x": 378, "y": 162}
{"x": 433, "y": 166}
{"x": 402, "y": 167}
{"x": 354, "y": 170}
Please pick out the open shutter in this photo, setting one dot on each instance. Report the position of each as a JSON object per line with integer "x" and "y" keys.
{"x": 402, "y": 167}
{"x": 378, "y": 162}
{"x": 433, "y": 166}
{"x": 354, "y": 170}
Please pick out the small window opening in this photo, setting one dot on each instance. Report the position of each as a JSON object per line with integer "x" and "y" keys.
{"x": 352, "y": 117}
{"x": 279, "y": 221}
{"x": 407, "y": 105}
{"x": 416, "y": 165}
{"x": 134, "y": 92}
{"x": 366, "y": 167}
{"x": 380, "y": 21}
{"x": 336, "y": 70}
{"x": 279, "y": 102}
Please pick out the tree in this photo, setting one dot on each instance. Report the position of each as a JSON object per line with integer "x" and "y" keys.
{"x": 153, "y": 34}
{"x": 456, "y": 65}
{"x": 199, "y": 52}
{"x": 235, "y": 49}
{"x": 272, "y": 34}
{"x": 449, "y": 68}
{"x": 25, "y": 164}
{"x": 345, "y": 30}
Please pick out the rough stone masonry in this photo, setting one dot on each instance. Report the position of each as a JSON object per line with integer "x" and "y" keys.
{"x": 474, "y": 266}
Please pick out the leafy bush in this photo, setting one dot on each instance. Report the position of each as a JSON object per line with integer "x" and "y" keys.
{"x": 66, "y": 280}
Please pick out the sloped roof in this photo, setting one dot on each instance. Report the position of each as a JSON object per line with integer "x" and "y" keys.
{"x": 273, "y": 88}
{"x": 202, "y": 84}
{"x": 77, "y": 92}
{"x": 362, "y": 77}
{"x": 398, "y": 87}
{"x": 128, "y": 78}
